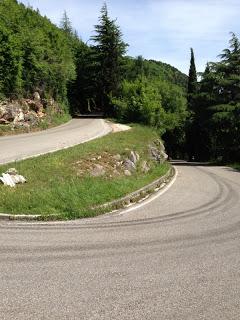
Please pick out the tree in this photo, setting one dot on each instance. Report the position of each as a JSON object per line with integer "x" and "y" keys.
{"x": 108, "y": 53}
{"x": 192, "y": 79}
{"x": 217, "y": 107}
{"x": 34, "y": 54}
{"x": 191, "y": 124}
{"x": 66, "y": 24}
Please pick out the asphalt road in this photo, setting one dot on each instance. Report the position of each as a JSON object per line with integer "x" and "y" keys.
{"x": 177, "y": 257}
{"x": 31, "y": 144}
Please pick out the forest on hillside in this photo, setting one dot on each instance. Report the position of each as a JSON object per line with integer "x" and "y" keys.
{"x": 38, "y": 56}
{"x": 197, "y": 119}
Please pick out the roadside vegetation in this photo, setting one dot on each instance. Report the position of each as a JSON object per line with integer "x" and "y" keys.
{"x": 214, "y": 105}
{"x": 197, "y": 117}
{"x": 62, "y": 183}
{"x": 36, "y": 56}
{"x": 49, "y": 66}
{"x": 235, "y": 166}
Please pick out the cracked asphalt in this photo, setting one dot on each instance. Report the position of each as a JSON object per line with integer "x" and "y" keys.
{"x": 177, "y": 257}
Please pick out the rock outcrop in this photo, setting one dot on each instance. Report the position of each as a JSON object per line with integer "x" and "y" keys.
{"x": 26, "y": 113}
{"x": 157, "y": 151}
{"x": 110, "y": 165}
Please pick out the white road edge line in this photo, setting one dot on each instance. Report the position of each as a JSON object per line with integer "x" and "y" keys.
{"x": 151, "y": 198}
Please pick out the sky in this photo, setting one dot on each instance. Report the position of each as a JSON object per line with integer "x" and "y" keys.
{"x": 163, "y": 30}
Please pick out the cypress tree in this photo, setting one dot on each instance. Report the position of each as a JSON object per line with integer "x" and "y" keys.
{"x": 192, "y": 79}
{"x": 191, "y": 124}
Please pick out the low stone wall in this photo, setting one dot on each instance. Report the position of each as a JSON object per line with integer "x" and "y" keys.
{"x": 142, "y": 193}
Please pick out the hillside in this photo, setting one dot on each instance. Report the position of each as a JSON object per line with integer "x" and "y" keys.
{"x": 39, "y": 59}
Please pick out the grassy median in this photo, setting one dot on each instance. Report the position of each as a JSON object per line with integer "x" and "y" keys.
{"x": 61, "y": 183}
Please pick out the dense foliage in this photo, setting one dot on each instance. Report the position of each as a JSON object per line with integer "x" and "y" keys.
{"x": 217, "y": 108}
{"x": 36, "y": 55}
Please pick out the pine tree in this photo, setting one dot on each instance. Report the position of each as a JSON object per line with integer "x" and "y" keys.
{"x": 108, "y": 54}
{"x": 66, "y": 24}
{"x": 216, "y": 107}
{"x": 229, "y": 69}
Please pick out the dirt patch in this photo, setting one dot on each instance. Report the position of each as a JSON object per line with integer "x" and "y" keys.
{"x": 108, "y": 164}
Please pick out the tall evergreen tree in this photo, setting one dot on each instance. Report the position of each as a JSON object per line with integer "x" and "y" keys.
{"x": 66, "y": 24}
{"x": 192, "y": 79}
{"x": 109, "y": 49}
{"x": 191, "y": 124}
{"x": 217, "y": 107}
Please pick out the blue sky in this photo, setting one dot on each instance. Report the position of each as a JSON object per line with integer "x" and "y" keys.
{"x": 157, "y": 29}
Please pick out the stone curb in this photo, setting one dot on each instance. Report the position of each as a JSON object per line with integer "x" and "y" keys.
{"x": 141, "y": 194}
{"x": 132, "y": 198}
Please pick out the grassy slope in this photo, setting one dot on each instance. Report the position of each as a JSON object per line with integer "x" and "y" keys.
{"x": 53, "y": 185}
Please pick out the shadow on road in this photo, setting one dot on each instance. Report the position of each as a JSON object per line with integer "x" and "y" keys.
{"x": 202, "y": 164}
{"x": 89, "y": 116}
{"x": 191, "y": 163}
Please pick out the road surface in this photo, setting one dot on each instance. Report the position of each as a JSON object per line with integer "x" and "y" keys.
{"x": 175, "y": 258}
{"x": 31, "y": 144}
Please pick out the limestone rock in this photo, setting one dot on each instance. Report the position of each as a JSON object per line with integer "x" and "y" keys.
{"x": 154, "y": 153}
{"x": 11, "y": 178}
{"x": 159, "y": 144}
{"x": 163, "y": 156}
{"x": 19, "y": 117}
{"x": 97, "y": 171}
{"x": 129, "y": 165}
{"x": 145, "y": 168}
{"x": 12, "y": 171}
{"x": 127, "y": 173}
{"x": 157, "y": 151}
{"x": 32, "y": 118}
{"x": 134, "y": 157}
{"x": 36, "y": 96}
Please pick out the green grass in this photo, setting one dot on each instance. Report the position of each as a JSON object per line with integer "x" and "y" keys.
{"x": 54, "y": 187}
{"x": 4, "y": 129}
{"x": 235, "y": 166}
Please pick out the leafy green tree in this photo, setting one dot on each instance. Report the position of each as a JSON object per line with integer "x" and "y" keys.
{"x": 109, "y": 49}
{"x": 34, "y": 54}
{"x": 158, "y": 104}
